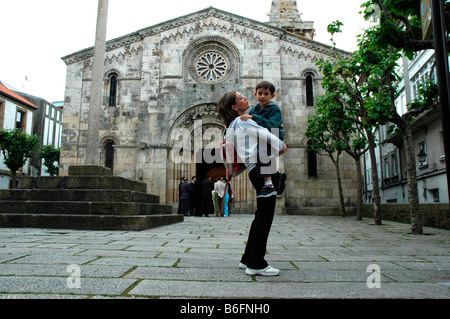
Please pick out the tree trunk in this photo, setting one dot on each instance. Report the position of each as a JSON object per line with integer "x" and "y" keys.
{"x": 376, "y": 191}
{"x": 341, "y": 193}
{"x": 359, "y": 190}
{"x": 413, "y": 193}
{"x": 13, "y": 179}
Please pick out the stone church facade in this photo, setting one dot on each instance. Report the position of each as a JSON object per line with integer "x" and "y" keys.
{"x": 167, "y": 79}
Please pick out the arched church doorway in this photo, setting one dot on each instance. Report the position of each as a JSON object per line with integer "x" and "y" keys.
{"x": 201, "y": 127}
{"x": 215, "y": 170}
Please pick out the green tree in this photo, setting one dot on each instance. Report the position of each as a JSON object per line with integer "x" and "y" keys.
{"x": 50, "y": 155}
{"x": 17, "y": 147}
{"x": 366, "y": 85}
{"x": 400, "y": 24}
{"x": 359, "y": 86}
{"x": 328, "y": 132}
{"x": 400, "y": 29}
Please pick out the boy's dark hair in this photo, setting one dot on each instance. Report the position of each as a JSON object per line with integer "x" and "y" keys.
{"x": 266, "y": 85}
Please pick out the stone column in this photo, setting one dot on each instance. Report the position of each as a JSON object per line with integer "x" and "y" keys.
{"x": 93, "y": 138}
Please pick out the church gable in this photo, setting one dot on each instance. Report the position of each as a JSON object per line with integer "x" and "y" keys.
{"x": 208, "y": 20}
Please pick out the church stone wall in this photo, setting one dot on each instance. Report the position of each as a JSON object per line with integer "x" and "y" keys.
{"x": 159, "y": 91}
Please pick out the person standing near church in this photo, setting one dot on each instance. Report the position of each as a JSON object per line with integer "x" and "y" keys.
{"x": 179, "y": 195}
{"x": 185, "y": 197}
{"x": 207, "y": 203}
{"x": 219, "y": 188}
{"x": 196, "y": 196}
{"x": 231, "y": 106}
{"x": 226, "y": 198}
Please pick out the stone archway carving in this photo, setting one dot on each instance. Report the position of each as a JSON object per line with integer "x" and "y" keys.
{"x": 205, "y": 112}
{"x": 216, "y": 47}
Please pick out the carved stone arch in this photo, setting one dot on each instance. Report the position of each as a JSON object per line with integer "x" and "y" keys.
{"x": 108, "y": 155}
{"x": 312, "y": 71}
{"x": 186, "y": 119}
{"x": 112, "y": 87}
{"x": 221, "y": 48}
{"x": 112, "y": 71}
{"x": 111, "y": 136}
{"x": 309, "y": 79}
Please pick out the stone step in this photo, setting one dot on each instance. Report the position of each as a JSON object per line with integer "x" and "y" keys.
{"x": 80, "y": 182}
{"x": 83, "y": 208}
{"x": 84, "y": 222}
{"x": 58, "y": 195}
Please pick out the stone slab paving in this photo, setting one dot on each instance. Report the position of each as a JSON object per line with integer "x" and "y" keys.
{"x": 319, "y": 257}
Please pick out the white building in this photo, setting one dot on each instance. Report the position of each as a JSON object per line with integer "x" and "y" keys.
{"x": 15, "y": 112}
{"x": 428, "y": 144}
{"x": 47, "y": 125}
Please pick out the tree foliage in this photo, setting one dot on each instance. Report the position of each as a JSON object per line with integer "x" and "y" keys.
{"x": 365, "y": 85}
{"x": 400, "y": 24}
{"x": 17, "y": 147}
{"x": 50, "y": 155}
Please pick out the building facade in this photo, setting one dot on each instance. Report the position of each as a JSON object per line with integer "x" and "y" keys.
{"x": 48, "y": 120}
{"x": 428, "y": 144}
{"x": 16, "y": 112}
{"x": 162, "y": 83}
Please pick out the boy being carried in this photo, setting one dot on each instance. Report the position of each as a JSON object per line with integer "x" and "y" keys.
{"x": 267, "y": 114}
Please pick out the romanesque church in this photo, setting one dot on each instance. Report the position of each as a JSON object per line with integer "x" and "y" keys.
{"x": 167, "y": 78}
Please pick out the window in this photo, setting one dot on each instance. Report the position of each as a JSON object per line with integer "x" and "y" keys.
{"x": 312, "y": 162}
{"x": 309, "y": 90}
{"x": 386, "y": 167}
{"x": 394, "y": 161}
{"x": 425, "y": 73}
{"x": 109, "y": 154}
{"x": 113, "y": 89}
{"x": 21, "y": 118}
{"x": 211, "y": 66}
{"x": 210, "y": 60}
{"x": 435, "y": 193}
{"x": 2, "y": 113}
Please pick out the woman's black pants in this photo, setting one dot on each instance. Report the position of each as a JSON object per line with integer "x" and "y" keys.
{"x": 255, "y": 250}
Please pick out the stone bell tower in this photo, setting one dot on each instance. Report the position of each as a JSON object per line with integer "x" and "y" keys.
{"x": 284, "y": 14}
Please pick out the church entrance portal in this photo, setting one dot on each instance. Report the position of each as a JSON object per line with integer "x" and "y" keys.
{"x": 215, "y": 170}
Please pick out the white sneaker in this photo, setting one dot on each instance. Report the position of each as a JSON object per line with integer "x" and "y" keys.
{"x": 268, "y": 271}
{"x": 242, "y": 266}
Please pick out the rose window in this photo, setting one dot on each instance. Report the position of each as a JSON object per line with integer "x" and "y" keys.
{"x": 211, "y": 66}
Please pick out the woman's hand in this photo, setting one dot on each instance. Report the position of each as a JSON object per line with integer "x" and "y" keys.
{"x": 284, "y": 149}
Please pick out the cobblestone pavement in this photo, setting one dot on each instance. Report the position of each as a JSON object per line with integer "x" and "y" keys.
{"x": 319, "y": 257}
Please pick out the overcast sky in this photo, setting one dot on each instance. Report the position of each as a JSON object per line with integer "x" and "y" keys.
{"x": 36, "y": 34}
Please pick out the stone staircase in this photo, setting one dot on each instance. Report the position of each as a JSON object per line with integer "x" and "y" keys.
{"x": 90, "y": 197}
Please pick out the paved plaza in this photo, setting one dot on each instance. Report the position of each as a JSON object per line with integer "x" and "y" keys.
{"x": 319, "y": 257}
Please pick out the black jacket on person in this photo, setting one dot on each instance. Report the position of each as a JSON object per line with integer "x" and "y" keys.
{"x": 207, "y": 188}
{"x": 186, "y": 191}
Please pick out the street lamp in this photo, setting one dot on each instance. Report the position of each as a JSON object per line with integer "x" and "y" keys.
{"x": 422, "y": 156}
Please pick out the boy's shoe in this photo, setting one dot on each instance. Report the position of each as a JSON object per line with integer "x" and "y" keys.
{"x": 281, "y": 183}
{"x": 268, "y": 271}
{"x": 242, "y": 266}
{"x": 267, "y": 191}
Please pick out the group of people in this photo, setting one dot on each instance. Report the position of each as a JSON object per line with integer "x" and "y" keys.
{"x": 202, "y": 199}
